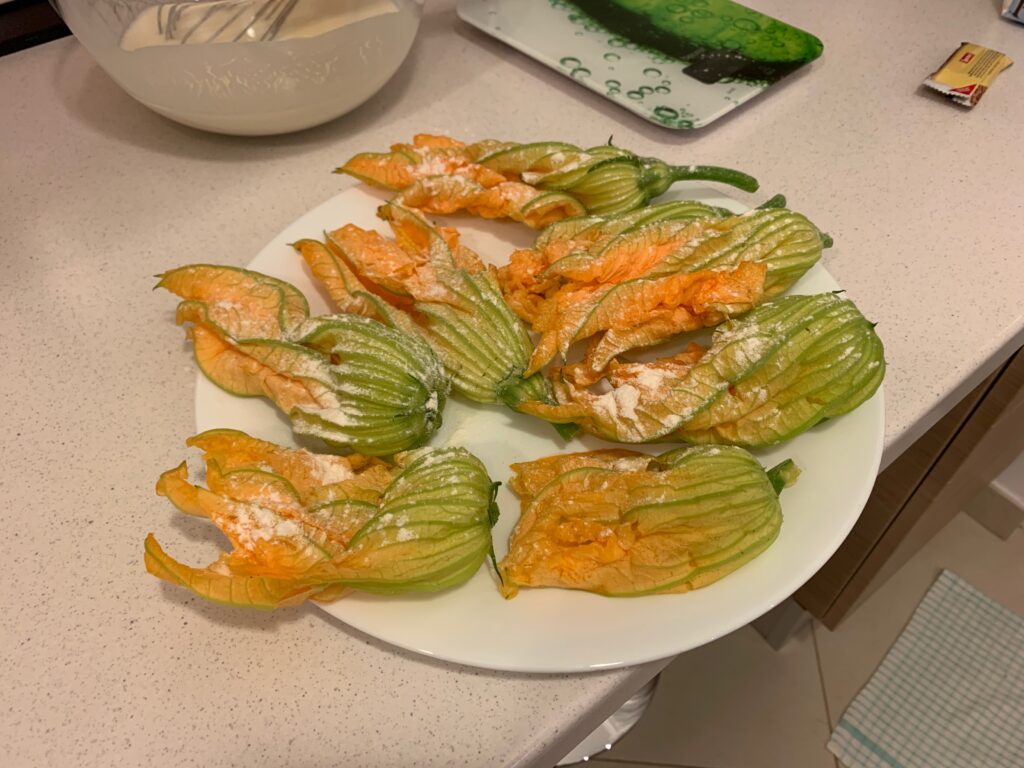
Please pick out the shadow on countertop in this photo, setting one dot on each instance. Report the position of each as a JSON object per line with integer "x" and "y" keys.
{"x": 270, "y": 621}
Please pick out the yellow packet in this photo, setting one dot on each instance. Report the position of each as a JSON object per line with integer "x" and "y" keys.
{"x": 968, "y": 73}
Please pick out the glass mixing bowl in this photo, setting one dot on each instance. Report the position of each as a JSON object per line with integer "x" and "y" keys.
{"x": 248, "y": 67}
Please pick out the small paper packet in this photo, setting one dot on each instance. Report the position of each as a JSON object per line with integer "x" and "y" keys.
{"x": 968, "y": 73}
{"x": 1014, "y": 9}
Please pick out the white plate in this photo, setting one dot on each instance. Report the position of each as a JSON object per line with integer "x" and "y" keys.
{"x": 553, "y": 630}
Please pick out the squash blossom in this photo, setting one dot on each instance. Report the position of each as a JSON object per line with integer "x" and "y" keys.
{"x": 608, "y": 180}
{"x": 537, "y": 184}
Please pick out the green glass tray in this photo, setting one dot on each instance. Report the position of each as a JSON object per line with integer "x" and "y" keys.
{"x": 678, "y": 63}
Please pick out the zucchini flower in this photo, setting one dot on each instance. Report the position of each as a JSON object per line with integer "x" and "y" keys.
{"x": 605, "y": 180}
{"x": 314, "y": 526}
{"x": 348, "y": 380}
{"x": 767, "y": 377}
{"x": 621, "y": 523}
{"x": 425, "y": 282}
{"x": 537, "y": 184}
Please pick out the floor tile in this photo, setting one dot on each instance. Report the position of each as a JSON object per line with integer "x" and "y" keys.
{"x": 735, "y": 703}
{"x": 850, "y": 654}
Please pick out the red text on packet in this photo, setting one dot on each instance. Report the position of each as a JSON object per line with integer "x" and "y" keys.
{"x": 967, "y": 57}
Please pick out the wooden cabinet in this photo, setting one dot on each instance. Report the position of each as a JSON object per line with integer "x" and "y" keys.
{"x": 24, "y": 23}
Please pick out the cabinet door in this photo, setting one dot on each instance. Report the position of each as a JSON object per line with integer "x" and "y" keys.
{"x": 25, "y": 23}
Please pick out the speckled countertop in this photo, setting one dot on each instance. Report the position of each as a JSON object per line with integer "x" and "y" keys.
{"x": 105, "y": 666}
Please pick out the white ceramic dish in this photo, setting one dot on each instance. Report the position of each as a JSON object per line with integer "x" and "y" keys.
{"x": 551, "y": 630}
{"x": 247, "y": 67}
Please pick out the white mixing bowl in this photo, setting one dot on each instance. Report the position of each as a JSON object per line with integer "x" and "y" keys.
{"x": 247, "y": 67}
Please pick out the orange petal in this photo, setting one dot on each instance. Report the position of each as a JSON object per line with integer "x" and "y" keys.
{"x": 413, "y": 233}
{"x": 342, "y": 284}
{"x": 277, "y": 370}
{"x": 431, "y": 141}
{"x": 564, "y": 413}
{"x": 520, "y": 284}
{"x": 256, "y": 486}
{"x": 386, "y": 170}
{"x": 509, "y": 199}
{"x": 248, "y": 591}
{"x": 245, "y": 304}
{"x": 627, "y": 256}
{"x": 174, "y": 485}
{"x": 378, "y": 262}
{"x": 708, "y": 296}
{"x": 223, "y": 364}
{"x": 313, "y": 475}
{"x": 529, "y": 477}
{"x": 661, "y": 326}
{"x": 543, "y": 353}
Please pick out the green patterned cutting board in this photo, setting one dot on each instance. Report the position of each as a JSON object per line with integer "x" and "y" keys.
{"x": 678, "y": 63}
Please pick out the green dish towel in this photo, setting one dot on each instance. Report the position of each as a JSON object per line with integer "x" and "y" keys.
{"x": 950, "y": 692}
